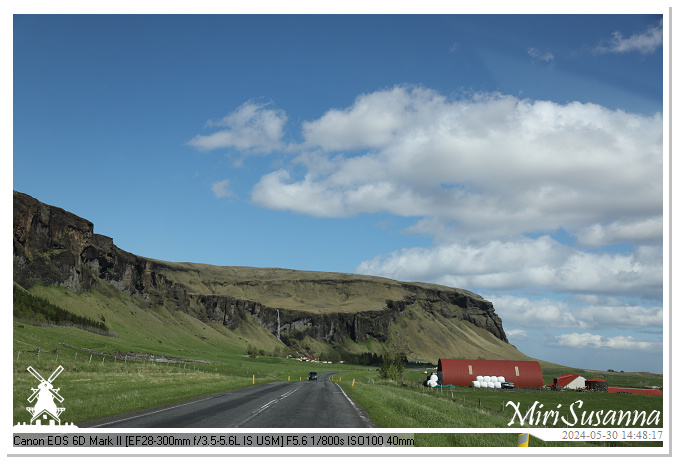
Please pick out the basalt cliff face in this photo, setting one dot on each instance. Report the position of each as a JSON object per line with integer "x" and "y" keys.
{"x": 53, "y": 247}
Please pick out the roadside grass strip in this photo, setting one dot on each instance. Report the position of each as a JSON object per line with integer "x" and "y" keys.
{"x": 392, "y": 406}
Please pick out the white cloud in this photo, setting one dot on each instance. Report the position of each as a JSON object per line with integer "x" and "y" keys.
{"x": 374, "y": 120}
{"x": 588, "y": 341}
{"x": 520, "y": 311}
{"x": 645, "y": 230}
{"x": 221, "y": 189}
{"x": 645, "y": 43}
{"x": 541, "y": 263}
{"x": 516, "y": 334}
{"x": 489, "y": 164}
{"x": 252, "y": 127}
{"x": 538, "y": 55}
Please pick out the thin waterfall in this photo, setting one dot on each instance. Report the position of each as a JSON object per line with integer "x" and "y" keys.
{"x": 278, "y": 313}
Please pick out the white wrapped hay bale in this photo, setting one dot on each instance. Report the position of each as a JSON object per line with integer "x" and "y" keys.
{"x": 486, "y": 378}
{"x": 497, "y": 385}
{"x": 500, "y": 379}
{"x": 476, "y": 384}
{"x": 434, "y": 377}
{"x": 479, "y": 378}
{"x": 431, "y": 383}
{"x": 484, "y": 384}
{"x": 493, "y": 378}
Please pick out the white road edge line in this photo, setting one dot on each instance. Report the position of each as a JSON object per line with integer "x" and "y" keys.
{"x": 355, "y": 407}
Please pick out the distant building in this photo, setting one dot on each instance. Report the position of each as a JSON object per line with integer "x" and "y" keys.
{"x": 462, "y": 372}
{"x": 570, "y": 381}
{"x": 597, "y": 385}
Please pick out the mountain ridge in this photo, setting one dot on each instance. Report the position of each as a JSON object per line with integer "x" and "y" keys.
{"x": 53, "y": 247}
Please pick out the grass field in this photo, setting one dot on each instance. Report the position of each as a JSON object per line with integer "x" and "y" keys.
{"x": 397, "y": 406}
{"x": 101, "y": 387}
{"x": 96, "y": 386}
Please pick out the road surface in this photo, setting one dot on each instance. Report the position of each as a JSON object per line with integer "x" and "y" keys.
{"x": 306, "y": 404}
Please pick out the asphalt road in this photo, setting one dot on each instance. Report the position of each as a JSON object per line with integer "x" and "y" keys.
{"x": 306, "y": 404}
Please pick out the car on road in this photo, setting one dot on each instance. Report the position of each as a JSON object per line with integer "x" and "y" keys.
{"x": 313, "y": 376}
{"x": 507, "y": 385}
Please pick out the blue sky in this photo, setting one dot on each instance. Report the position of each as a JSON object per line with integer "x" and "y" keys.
{"x": 520, "y": 157}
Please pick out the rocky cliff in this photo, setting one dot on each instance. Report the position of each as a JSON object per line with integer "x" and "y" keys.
{"x": 53, "y": 247}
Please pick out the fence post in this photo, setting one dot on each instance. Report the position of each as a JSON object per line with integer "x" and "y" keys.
{"x": 90, "y": 359}
{"x": 38, "y": 354}
{"x": 74, "y": 357}
{"x": 18, "y": 353}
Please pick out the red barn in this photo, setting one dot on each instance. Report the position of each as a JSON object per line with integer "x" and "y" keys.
{"x": 524, "y": 374}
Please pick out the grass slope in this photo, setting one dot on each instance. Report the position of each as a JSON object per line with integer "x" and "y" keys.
{"x": 421, "y": 334}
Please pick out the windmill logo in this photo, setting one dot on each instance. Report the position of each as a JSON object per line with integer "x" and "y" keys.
{"x": 45, "y": 408}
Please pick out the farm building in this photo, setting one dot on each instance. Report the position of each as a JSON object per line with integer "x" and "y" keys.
{"x": 524, "y": 374}
{"x": 596, "y": 385}
{"x": 570, "y": 381}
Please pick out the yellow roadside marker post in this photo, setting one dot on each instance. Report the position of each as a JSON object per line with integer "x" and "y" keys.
{"x": 253, "y": 379}
{"x": 523, "y": 440}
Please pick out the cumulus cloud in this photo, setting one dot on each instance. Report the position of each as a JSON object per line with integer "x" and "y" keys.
{"x": 541, "y": 263}
{"x": 221, "y": 189}
{"x": 516, "y": 334}
{"x": 489, "y": 164}
{"x": 251, "y": 128}
{"x": 588, "y": 341}
{"x": 644, "y": 43}
{"x": 520, "y": 311}
{"x": 644, "y": 230}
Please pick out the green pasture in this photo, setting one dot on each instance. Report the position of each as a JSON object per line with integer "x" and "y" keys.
{"x": 94, "y": 386}
{"x": 409, "y": 405}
